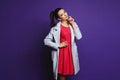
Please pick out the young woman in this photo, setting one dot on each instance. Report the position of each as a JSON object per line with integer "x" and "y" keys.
{"x": 62, "y": 40}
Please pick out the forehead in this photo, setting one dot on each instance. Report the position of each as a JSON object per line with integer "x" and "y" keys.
{"x": 61, "y": 11}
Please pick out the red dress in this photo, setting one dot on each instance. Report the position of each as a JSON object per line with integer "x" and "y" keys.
{"x": 65, "y": 62}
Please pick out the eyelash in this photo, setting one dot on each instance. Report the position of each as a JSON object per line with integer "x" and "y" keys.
{"x": 62, "y": 15}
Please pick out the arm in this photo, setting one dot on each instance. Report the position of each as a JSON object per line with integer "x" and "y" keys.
{"x": 77, "y": 31}
{"x": 49, "y": 40}
{"x": 75, "y": 27}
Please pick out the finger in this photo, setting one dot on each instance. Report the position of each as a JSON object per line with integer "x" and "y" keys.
{"x": 69, "y": 18}
{"x": 65, "y": 45}
{"x": 65, "y": 41}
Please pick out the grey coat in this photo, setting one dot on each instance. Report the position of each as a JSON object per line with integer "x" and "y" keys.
{"x": 53, "y": 40}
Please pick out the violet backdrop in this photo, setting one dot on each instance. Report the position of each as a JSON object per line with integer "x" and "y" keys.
{"x": 25, "y": 23}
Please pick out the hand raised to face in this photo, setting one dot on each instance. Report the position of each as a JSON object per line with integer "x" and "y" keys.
{"x": 70, "y": 20}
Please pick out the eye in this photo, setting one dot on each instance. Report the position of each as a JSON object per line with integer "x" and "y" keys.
{"x": 61, "y": 15}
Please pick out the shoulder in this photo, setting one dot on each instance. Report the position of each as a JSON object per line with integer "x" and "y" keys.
{"x": 53, "y": 29}
{"x": 56, "y": 27}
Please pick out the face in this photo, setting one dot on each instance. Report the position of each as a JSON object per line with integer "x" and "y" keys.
{"x": 63, "y": 16}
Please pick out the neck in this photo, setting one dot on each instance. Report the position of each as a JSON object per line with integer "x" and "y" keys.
{"x": 64, "y": 22}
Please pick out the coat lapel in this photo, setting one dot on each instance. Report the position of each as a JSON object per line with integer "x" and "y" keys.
{"x": 57, "y": 32}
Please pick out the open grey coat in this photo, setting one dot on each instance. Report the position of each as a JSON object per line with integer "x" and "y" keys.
{"x": 53, "y": 40}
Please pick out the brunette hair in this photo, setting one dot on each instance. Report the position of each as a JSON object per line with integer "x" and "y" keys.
{"x": 54, "y": 14}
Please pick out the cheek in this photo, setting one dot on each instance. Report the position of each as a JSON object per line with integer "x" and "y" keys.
{"x": 66, "y": 14}
{"x": 62, "y": 17}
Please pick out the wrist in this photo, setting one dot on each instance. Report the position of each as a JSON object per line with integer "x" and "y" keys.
{"x": 59, "y": 46}
{"x": 73, "y": 23}
{"x": 73, "y": 26}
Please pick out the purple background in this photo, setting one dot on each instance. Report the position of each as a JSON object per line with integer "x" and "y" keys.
{"x": 25, "y": 23}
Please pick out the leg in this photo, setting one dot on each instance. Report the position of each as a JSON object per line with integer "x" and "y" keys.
{"x": 62, "y": 77}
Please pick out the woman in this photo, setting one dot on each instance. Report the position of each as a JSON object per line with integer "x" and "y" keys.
{"x": 62, "y": 39}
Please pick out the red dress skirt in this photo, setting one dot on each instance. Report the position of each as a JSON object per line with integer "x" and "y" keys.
{"x": 65, "y": 62}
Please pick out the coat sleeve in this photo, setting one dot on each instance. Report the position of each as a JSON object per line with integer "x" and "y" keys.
{"x": 77, "y": 32}
{"x": 49, "y": 40}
